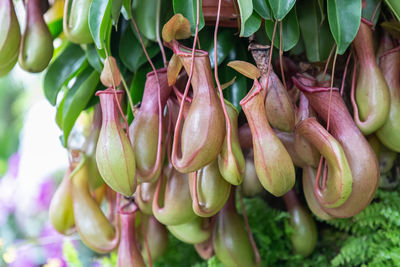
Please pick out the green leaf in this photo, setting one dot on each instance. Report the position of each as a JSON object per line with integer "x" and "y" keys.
{"x": 137, "y": 87}
{"x": 392, "y": 27}
{"x": 126, "y": 9}
{"x": 116, "y": 10}
{"x": 93, "y": 58}
{"x": 281, "y": 8}
{"x": 394, "y": 5}
{"x": 321, "y": 5}
{"x": 290, "y": 31}
{"x": 344, "y": 20}
{"x": 188, "y": 8}
{"x": 99, "y": 20}
{"x": 298, "y": 48}
{"x": 62, "y": 70}
{"x": 131, "y": 53}
{"x": 372, "y": 10}
{"x": 252, "y": 25}
{"x": 55, "y": 27}
{"x": 145, "y": 17}
{"x": 224, "y": 43}
{"x": 262, "y": 8}
{"x": 317, "y": 37}
{"x": 238, "y": 89}
{"x": 77, "y": 98}
{"x": 246, "y": 9}
{"x": 60, "y": 107}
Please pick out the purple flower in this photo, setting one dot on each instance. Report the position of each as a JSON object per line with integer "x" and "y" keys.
{"x": 52, "y": 248}
{"x": 13, "y": 164}
{"x": 46, "y": 191}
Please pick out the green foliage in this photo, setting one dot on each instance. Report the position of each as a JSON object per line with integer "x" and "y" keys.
{"x": 271, "y": 231}
{"x": 315, "y": 31}
{"x": 188, "y": 8}
{"x": 99, "y": 21}
{"x": 110, "y": 261}
{"x": 71, "y": 255}
{"x": 179, "y": 253}
{"x": 262, "y": 8}
{"x": 11, "y": 107}
{"x": 214, "y": 262}
{"x": 344, "y": 20}
{"x": 370, "y": 238}
{"x": 290, "y": 31}
{"x": 374, "y": 234}
{"x": 70, "y": 62}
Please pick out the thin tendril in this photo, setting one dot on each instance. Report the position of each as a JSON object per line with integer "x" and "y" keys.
{"x": 159, "y": 144}
{"x": 353, "y": 85}
{"x": 375, "y": 11}
{"x": 128, "y": 94}
{"x": 115, "y": 95}
{"x": 321, "y": 160}
{"x": 270, "y": 58}
{"x": 158, "y": 34}
{"x": 328, "y": 61}
{"x": 169, "y": 131}
{"x": 280, "y": 55}
{"x": 221, "y": 96}
{"x": 331, "y": 90}
{"x": 185, "y": 93}
{"x": 123, "y": 83}
{"x": 249, "y": 232}
{"x": 324, "y": 178}
{"x": 345, "y": 72}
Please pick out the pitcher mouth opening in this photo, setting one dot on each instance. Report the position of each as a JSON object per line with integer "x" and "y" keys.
{"x": 185, "y": 51}
{"x": 161, "y": 70}
{"x": 255, "y": 90}
{"x": 110, "y": 91}
{"x": 128, "y": 208}
{"x": 299, "y": 82}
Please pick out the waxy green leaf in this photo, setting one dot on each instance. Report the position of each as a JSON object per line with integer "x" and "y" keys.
{"x": 252, "y": 25}
{"x": 290, "y": 31}
{"x": 77, "y": 98}
{"x": 116, "y": 11}
{"x": 93, "y": 58}
{"x": 99, "y": 20}
{"x": 145, "y": 17}
{"x": 316, "y": 36}
{"x": 238, "y": 90}
{"x": 224, "y": 43}
{"x": 188, "y": 8}
{"x": 131, "y": 52}
{"x": 63, "y": 68}
{"x": 394, "y": 5}
{"x": 136, "y": 88}
{"x": 126, "y": 9}
{"x": 245, "y": 9}
{"x": 263, "y": 9}
{"x": 321, "y": 5}
{"x": 281, "y": 8}
{"x": 344, "y": 20}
